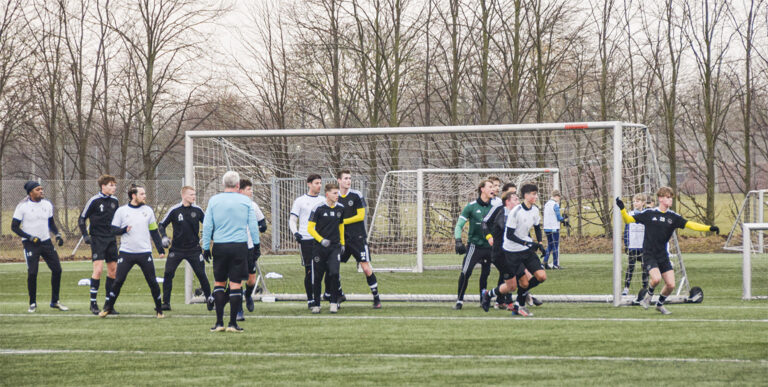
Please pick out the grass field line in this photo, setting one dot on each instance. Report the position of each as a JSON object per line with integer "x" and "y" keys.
{"x": 426, "y": 356}
{"x": 415, "y": 318}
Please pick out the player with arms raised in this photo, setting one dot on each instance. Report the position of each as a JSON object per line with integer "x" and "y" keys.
{"x": 660, "y": 223}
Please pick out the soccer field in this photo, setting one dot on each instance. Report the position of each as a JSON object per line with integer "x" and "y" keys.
{"x": 722, "y": 341}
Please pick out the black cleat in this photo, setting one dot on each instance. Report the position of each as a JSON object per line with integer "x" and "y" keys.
{"x": 218, "y": 328}
{"x": 113, "y": 311}
{"x": 249, "y": 304}
{"x": 95, "y": 308}
{"x": 234, "y": 328}
{"x": 458, "y": 306}
{"x": 376, "y": 303}
{"x": 165, "y": 307}
{"x": 485, "y": 300}
{"x": 342, "y": 298}
{"x": 240, "y": 316}
{"x": 210, "y": 303}
{"x": 326, "y": 297}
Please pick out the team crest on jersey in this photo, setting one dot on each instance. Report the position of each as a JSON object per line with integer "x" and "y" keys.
{"x": 317, "y": 259}
{"x": 194, "y": 215}
{"x": 338, "y": 214}
{"x": 112, "y": 205}
{"x": 171, "y": 255}
{"x": 351, "y": 202}
{"x": 669, "y": 220}
{"x": 181, "y": 218}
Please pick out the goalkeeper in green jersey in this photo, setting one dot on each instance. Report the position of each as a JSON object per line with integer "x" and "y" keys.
{"x": 478, "y": 249}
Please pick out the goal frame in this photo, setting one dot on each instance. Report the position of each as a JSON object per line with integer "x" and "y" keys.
{"x": 746, "y": 261}
{"x": 616, "y": 173}
{"x": 420, "y": 204}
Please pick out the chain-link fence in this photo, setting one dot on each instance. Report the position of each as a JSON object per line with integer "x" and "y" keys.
{"x": 69, "y": 198}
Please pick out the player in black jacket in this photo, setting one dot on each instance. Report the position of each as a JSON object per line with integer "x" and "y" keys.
{"x": 326, "y": 225}
{"x": 186, "y": 218}
{"x": 98, "y": 212}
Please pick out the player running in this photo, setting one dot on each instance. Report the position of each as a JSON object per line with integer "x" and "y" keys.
{"x": 33, "y": 222}
{"x": 186, "y": 218}
{"x": 99, "y": 212}
{"x": 354, "y": 232}
{"x": 300, "y": 211}
{"x": 135, "y": 224}
{"x": 479, "y": 251}
{"x": 660, "y": 223}
{"x": 326, "y": 225}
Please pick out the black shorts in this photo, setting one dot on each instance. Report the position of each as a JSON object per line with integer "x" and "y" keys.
{"x": 661, "y": 262}
{"x": 230, "y": 262}
{"x": 253, "y": 256}
{"x": 103, "y": 249}
{"x": 306, "y": 250}
{"x": 326, "y": 259}
{"x": 512, "y": 264}
{"x": 356, "y": 246}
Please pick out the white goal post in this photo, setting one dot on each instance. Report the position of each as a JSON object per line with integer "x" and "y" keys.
{"x": 748, "y": 249}
{"x": 597, "y": 162}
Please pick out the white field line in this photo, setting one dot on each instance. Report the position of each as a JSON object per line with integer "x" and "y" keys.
{"x": 413, "y": 318}
{"x": 7, "y": 352}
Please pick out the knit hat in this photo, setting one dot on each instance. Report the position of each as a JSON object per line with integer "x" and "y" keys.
{"x": 30, "y": 185}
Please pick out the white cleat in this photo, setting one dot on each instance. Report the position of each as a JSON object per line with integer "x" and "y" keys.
{"x": 59, "y": 306}
{"x": 646, "y": 302}
{"x": 663, "y": 310}
{"x": 315, "y": 310}
{"x": 334, "y": 307}
{"x": 32, "y": 308}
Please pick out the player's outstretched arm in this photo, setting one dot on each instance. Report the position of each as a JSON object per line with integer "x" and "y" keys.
{"x": 701, "y": 227}
{"x": 624, "y": 214}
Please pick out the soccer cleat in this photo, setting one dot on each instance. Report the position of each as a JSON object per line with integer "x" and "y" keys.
{"x": 104, "y": 312}
{"x": 240, "y": 316}
{"x": 625, "y": 292}
{"x": 95, "y": 308}
{"x": 535, "y": 301}
{"x": 458, "y": 306}
{"x": 556, "y": 267}
{"x": 326, "y": 296}
{"x": 210, "y": 303}
{"x": 32, "y": 308}
{"x": 523, "y": 311}
{"x": 334, "y": 307}
{"x": 59, "y": 306}
{"x": 485, "y": 300}
{"x": 315, "y": 310}
{"x": 165, "y": 307}
{"x": 234, "y": 328}
{"x": 218, "y": 328}
{"x": 646, "y": 301}
{"x": 376, "y": 303}
{"x": 549, "y": 266}
{"x": 342, "y": 298}
{"x": 160, "y": 314}
{"x": 249, "y": 303}
{"x": 512, "y": 307}
{"x": 663, "y": 310}
{"x": 114, "y": 312}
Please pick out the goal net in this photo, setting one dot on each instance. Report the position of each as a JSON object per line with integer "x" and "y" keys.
{"x": 754, "y": 261}
{"x": 412, "y": 226}
{"x": 596, "y": 161}
{"x": 754, "y": 209}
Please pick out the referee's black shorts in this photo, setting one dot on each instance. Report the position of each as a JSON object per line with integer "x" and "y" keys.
{"x": 103, "y": 248}
{"x": 306, "y": 249}
{"x": 230, "y": 261}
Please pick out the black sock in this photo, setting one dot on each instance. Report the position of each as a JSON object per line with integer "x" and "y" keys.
{"x": 532, "y": 283}
{"x": 308, "y": 284}
{"x": 661, "y": 300}
{"x": 108, "y": 288}
{"x": 373, "y": 284}
{"x": 235, "y": 303}
{"x": 494, "y": 292}
{"x": 650, "y": 290}
{"x": 219, "y": 299}
{"x": 94, "y": 289}
{"x": 249, "y": 290}
{"x": 521, "y": 293}
{"x": 32, "y": 288}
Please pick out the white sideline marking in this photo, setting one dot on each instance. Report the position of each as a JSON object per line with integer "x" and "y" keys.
{"x": 407, "y": 318}
{"x": 381, "y": 355}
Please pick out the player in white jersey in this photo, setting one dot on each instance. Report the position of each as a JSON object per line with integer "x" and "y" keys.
{"x": 300, "y": 211}
{"x": 136, "y": 225}
{"x": 633, "y": 243}
{"x": 520, "y": 249}
{"x": 495, "y": 193}
{"x": 254, "y": 248}
{"x": 33, "y": 222}
{"x": 552, "y": 220}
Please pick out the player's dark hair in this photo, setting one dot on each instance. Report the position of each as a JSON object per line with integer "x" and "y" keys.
{"x": 330, "y": 186}
{"x": 482, "y": 184}
{"x": 245, "y": 183}
{"x": 528, "y": 187}
{"x": 507, "y": 186}
{"x": 506, "y": 196}
{"x": 133, "y": 190}
{"x": 313, "y": 177}
{"x": 106, "y": 179}
{"x": 343, "y": 172}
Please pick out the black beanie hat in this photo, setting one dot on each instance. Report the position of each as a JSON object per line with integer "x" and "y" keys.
{"x": 30, "y": 185}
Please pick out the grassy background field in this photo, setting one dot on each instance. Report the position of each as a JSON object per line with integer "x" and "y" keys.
{"x": 724, "y": 340}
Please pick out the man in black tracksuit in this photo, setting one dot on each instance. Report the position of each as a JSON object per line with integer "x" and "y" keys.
{"x": 326, "y": 225}
{"x": 186, "y": 218}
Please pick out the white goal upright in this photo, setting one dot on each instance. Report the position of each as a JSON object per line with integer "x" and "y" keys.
{"x": 596, "y": 162}
{"x": 754, "y": 262}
